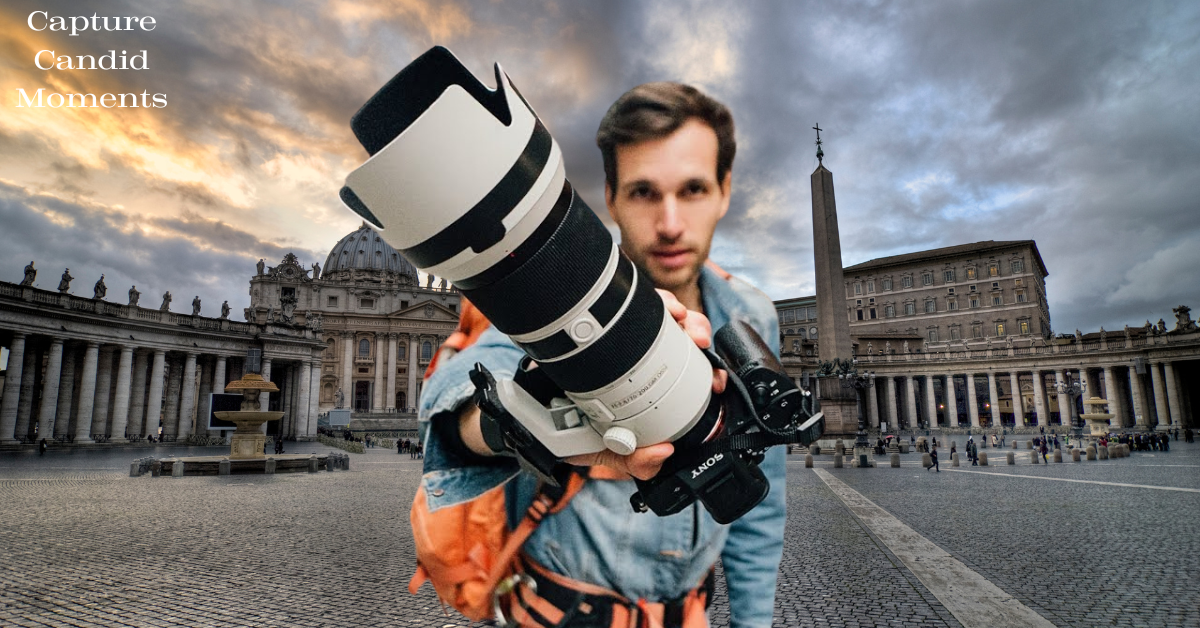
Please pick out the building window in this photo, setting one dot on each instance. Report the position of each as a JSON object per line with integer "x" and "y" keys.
{"x": 999, "y": 329}
{"x": 858, "y": 302}
{"x": 889, "y": 311}
{"x": 954, "y": 333}
{"x": 948, "y": 275}
{"x": 974, "y": 301}
{"x": 288, "y": 293}
{"x": 364, "y": 348}
{"x": 403, "y": 304}
{"x": 812, "y": 313}
{"x": 332, "y": 302}
{"x": 803, "y": 334}
{"x": 788, "y": 316}
{"x": 997, "y": 299}
{"x": 400, "y": 350}
{"x": 1020, "y": 297}
{"x": 933, "y": 335}
{"x": 1018, "y": 266}
{"x": 906, "y": 282}
{"x": 910, "y": 308}
{"x": 930, "y": 306}
{"x": 1024, "y": 328}
{"x": 366, "y": 303}
{"x": 995, "y": 285}
{"x": 860, "y": 315}
{"x": 977, "y": 331}
{"x": 927, "y": 279}
{"x": 812, "y": 333}
{"x": 993, "y": 270}
{"x": 872, "y": 313}
{"x": 951, "y": 304}
{"x": 871, "y": 286}
{"x": 426, "y": 351}
{"x": 972, "y": 288}
{"x": 871, "y": 300}
{"x": 858, "y": 288}
{"x": 971, "y": 272}
{"x": 887, "y": 284}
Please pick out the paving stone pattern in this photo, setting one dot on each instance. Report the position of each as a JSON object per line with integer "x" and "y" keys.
{"x": 82, "y": 544}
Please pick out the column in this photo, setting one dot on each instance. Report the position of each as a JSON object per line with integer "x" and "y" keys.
{"x": 303, "y": 399}
{"x": 50, "y": 390}
{"x": 348, "y": 367}
{"x": 29, "y": 372}
{"x": 154, "y": 398}
{"x": 951, "y": 402}
{"x": 1114, "y": 400}
{"x": 87, "y": 393}
{"x": 390, "y": 402}
{"x": 931, "y": 401}
{"x": 412, "y": 372}
{"x": 264, "y": 399}
{"x": 137, "y": 394}
{"x": 1173, "y": 395}
{"x": 187, "y": 401}
{"x": 170, "y": 420}
{"x": 972, "y": 400}
{"x": 872, "y": 404}
{"x": 1039, "y": 398}
{"x": 120, "y": 415}
{"x": 103, "y": 391}
{"x": 910, "y": 402}
{"x": 218, "y": 377}
{"x": 893, "y": 413}
{"x": 993, "y": 399}
{"x": 1160, "y": 396}
{"x": 204, "y": 403}
{"x": 1141, "y": 416}
{"x": 12, "y": 389}
{"x": 66, "y": 394}
{"x": 377, "y": 396}
{"x": 1018, "y": 401}
{"x": 285, "y": 402}
{"x": 314, "y": 397}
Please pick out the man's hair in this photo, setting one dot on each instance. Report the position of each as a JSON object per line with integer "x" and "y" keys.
{"x": 656, "y": 110}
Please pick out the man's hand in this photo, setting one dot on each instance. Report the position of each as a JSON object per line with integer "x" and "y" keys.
{"x": 698, "y": 328}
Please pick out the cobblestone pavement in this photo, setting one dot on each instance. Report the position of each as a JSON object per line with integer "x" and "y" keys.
{"x": 82, "y": 544}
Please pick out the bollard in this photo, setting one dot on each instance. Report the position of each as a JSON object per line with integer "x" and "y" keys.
{"x": 1015, "y": 444}
{"x": 983, "y": 458}
{"x": 837, "y": 461}
{"x": 312, "y": 463}
{"x": 1091, "y": 452}
{"x": 177, "y": 469}
{"x": 814, "y": 449}
{"x": 155, "y": 468}
{"x": 269, "y": 467}
{"x": 1035, "y": 457}
{"x": 926, "y": 460}
{"x": 332, "y": 462}
{"x": 954, "y": 459}
{"x": 223, "y": 467}
{"x": 1102, "y": 452}
{"x": 1074, "y": 454}
{"x": 1012, "y": 458}
{"x": 135, "y": 469}
{"x": 1029, "y": 444}
{"x": 895, "y": 461}
{"x": 903, "y": 446}
{"x": 839, "y": 447}
{"x": 808, "y": 461}
{"x": 1058, "y": 455}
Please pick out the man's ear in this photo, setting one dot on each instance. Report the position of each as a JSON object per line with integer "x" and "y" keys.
{"x": 608, "y": 200}
{"x": 726, "y": 188}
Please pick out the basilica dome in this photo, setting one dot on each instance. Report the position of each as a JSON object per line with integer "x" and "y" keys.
{"x": 364, "y": 249}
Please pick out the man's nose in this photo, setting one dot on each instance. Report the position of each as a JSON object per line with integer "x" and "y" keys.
{"x": 670, "y": 222}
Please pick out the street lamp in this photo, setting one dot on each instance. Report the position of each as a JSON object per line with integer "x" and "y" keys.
{"x": 1069, "y": 387}
{"x": 859, "y": 382}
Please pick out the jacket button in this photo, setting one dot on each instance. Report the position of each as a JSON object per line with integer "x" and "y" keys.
{"x": 437, "y": 492}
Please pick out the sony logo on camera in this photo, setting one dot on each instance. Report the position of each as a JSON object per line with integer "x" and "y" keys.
{"x": 706, "y": 465}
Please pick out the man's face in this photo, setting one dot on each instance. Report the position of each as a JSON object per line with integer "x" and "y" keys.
{"x": 668, "y": 201}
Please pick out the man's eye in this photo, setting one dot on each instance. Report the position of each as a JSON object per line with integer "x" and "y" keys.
{"x": 695, "y": 189}
{"x": 641, "y": 193}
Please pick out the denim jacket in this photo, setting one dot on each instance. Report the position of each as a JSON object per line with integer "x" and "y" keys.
{"x": 598, "y": 538}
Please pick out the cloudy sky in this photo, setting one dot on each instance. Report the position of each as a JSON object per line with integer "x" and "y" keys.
{"x": 1071, "y": 123}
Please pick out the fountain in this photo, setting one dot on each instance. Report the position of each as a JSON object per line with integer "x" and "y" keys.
{"x": 249, "y": 441}
{"x": 1096, "y": 419}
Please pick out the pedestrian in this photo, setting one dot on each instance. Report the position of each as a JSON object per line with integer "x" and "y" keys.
{"x": 42, "y": 447}
{"x": 933, "y": 460}
{"x": 1044, "y": 451}
{"x": 974, "y": 454}
{"x": 399, "y": 446}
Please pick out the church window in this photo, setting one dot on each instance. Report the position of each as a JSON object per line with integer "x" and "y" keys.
{"x": 927, "y": 279}
{"x": 971, "y": 272}
{"x": 993, "y": 270}
{"x": 331, "y": 302}
{"x": 860, "y": 315}
{"x": 999, "y": 329}
{"x": 403, "y": 304}
{"x": 858, "y": 288}
{"x": 887, "y": 284}
{"x": 910, "y": 308}
{"x": 426, "y": 350}
{"x": 872, "y": 313}
{"x": 997, "y": 299}
{"x": 906, "y": 282}
{"x": 400, "y": 351}
{"x": 871, "y": 286}
{"x": 977, "y": 331}
{"x": 289, "y": 292}
{"x": 954, "y": 333}
{"x": 930, "y": 306}
{"x": 1018, "y": 266}
{"x": 889, "y": 311}
{"x": 933, "y": 335}
{"x": 364, "y": 348}
{"x": 948, "y": 275}
{"x": 1024, "y": 327}
{"x": 366, "y": 303}
{"x": 974, "y": 301}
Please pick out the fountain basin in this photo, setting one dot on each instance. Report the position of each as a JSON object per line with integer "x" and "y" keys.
{"x": 248, "y": 441}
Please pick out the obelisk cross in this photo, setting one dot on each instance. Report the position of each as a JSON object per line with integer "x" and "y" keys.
{"x": 820, "y": 153}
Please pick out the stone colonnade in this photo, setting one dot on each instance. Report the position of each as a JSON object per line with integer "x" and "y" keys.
{"x": 388, "y": 351}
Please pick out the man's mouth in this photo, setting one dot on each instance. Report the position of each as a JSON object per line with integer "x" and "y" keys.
{"x": 671, "y": 258}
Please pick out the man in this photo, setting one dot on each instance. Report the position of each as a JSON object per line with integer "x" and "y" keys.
{"x": 667, "y": 151}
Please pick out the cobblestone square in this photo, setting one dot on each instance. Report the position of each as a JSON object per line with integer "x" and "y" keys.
{"x": 83, "y": 544}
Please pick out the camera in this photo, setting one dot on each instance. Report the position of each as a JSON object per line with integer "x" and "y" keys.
{"x": 468, "y": 184}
